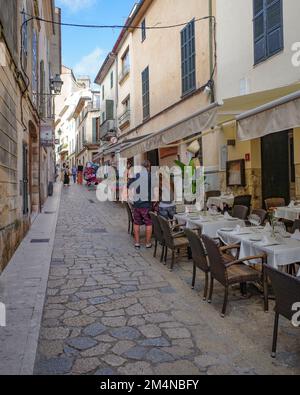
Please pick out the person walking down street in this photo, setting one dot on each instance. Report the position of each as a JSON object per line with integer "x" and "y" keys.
{"x": 142, "y": 204}
{"x": 74, "y": 174}
{"x": 80, "y": 173}
{"x": 67, "y": 176}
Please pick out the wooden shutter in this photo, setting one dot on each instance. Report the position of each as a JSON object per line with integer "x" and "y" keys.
{"x": 109, "y": 109}
{"x": 94, "y": 131}
{"x": 268, "y": 28}
{"x": 260, "y": 48}
{"x": 188, "y": 58}
{"x": 274, "y": 26}
{"x": 146, "y": 93}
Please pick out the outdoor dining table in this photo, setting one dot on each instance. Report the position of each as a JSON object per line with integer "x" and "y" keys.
{"x": 221, "y": 201}
{"x": 209, "y": 224}
{"x": 288, "y": 213}
{"x": 279, "y": 253}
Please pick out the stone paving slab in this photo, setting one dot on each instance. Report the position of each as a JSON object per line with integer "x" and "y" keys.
{"x": 113, "y": 310}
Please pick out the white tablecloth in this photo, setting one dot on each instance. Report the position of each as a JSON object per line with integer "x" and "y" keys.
{"x": 220, "y": 201}
{"x": 290, "y": 214}
{"x": 280, "y": 255}
{"x": 210, "y": 224}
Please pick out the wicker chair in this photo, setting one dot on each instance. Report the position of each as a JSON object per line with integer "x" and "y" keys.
{"x": 287, "y": 292}
{"x": 229, "y": 272}
{"x": 296, "y": 226}
{"x": 211, "y": 194}
{"x": 262, "y": 214}
{"x": 240, "y": 212}
{"x": 243, "y": 200}
{"x": 174, "y": 242}
{"x": 199, "y": 258}
{"x": 130, "y": 218}
{"x": 158, "y": 235}
{"x": 274, "y": 202}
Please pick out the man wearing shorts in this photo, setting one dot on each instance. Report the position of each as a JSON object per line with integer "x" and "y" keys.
{"x": 142, "y": 206}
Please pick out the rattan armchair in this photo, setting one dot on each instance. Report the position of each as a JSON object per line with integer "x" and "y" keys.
{"x": 199, "y": 257}
{"x": 229, "y": 272}
{"x": 174, "y": 242}
{"x": 287, "y": 292}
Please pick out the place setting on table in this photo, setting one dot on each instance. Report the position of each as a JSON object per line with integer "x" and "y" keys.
{"x": 208, "y": 221}
{"x": 225, "y": 200}
{"x": 290, "y": 213}
{"x": 281, "y": 247}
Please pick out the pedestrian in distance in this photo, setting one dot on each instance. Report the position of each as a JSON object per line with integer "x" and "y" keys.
{"x": 67, "y": 176}
{"x": 80, "y": 173}
{"x": 74, "y": 174}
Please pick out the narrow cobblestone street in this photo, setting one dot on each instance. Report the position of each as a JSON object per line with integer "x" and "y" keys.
{"x": 112, "y": 310}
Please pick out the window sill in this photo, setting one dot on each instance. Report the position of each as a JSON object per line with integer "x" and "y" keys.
{"x": 279, "y": 52}
{"x": 188, "y": 93}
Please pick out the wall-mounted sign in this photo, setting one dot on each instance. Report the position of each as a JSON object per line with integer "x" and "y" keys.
{"x": 47, "y": 135}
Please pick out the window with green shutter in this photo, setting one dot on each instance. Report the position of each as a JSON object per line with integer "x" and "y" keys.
{"x": 146, "y": 93}
{"x": 188, "y": 58}
{"x": 94, "y": 131}
{"x": 268, "y": 28}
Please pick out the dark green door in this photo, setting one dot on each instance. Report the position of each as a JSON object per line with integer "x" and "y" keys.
{"x": 275, "y": 166}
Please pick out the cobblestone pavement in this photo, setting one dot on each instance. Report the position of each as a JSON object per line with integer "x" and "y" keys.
{"x": 111, "y": 310}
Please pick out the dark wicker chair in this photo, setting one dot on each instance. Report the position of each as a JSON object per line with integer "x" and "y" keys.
{"x": 296, "y": 226}
{"x": 199, "y": 258}
{"x": 210, "y": 194}
{"x": 174, "y": 242}
{"x": 158, "y": 235}
{"x": 240, "y": 212}
{"x": 287, "y": 292}
{"x": 243, "y": 200}
{"x": 262, "y": 214}
{"x": 229, "y": 271}
{"x": 130, "y": 218}
{"x": 274, "y": 202}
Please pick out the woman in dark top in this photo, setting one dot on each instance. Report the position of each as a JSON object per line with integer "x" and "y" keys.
{"x": 80, "y": 173}
{"x": 67, "y": 176}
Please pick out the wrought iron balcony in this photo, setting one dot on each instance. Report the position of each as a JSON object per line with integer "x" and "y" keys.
{"x": 107, "y": 129}
{"x": 124, "y": 118}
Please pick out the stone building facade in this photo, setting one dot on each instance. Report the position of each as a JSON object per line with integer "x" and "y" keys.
{"x": 24, "y": 84}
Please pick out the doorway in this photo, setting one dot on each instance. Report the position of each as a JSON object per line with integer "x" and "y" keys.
{"x": 25, "y": 180}
{"x": 153, "y": 157}
{"x": 276, "y": 174}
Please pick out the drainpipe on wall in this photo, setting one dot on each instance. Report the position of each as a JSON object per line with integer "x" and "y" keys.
{"x": 212, "y": 26}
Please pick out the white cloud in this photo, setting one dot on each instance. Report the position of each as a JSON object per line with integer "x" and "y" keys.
{"x": 76, "y": 5}
{"x": 90, "y": 64}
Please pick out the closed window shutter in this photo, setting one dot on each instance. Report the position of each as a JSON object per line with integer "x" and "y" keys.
{"x": 146, "y": 93}
{"x": 109, "y": 109}
{"x": 260, "y": 49}
{"x": 268, "y": 28}
{"x": 94, "y": 131}
{"x": 188, "y": 58}
{"x": 274, "y": 27}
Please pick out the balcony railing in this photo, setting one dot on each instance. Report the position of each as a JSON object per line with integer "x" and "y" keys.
{"x": 124, "y": 118}
{"x": 123, "y": 74}
{"x": 107, "y": 129}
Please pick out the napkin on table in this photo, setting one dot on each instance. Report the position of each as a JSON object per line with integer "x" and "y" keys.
{"x": 296, "y": 235}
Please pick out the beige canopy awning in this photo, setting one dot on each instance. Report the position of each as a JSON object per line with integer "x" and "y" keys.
{"x": 275, "y": 116}
{"x": 195, "y": 124}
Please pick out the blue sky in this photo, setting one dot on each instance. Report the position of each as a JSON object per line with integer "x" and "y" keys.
{"x": 85, "y": 49}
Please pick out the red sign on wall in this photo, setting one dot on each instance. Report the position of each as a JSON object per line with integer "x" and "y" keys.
{"x": 247, "y": 157}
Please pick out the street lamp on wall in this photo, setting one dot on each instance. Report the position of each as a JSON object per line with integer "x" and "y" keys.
{"x": 56, "y": 84}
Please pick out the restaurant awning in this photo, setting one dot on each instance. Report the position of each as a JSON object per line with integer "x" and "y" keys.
{"x": 195, "y": 124}
{"x": 275, "y": 116}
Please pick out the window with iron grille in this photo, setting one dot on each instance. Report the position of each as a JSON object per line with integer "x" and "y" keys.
{"x": 268, "y": 28}
{"x": 188, "y": 58}
{"x": 146, "y": 93}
